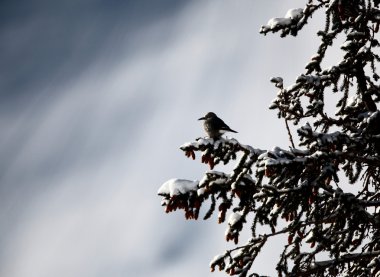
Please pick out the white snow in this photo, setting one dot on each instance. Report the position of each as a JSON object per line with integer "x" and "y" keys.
{"x": 310, "y": 236}
{"x": 346, "y": 45}
{"x": 227, "y": 231}
{"x": 358, "y": 18}
{"x": 373, "y": 262}
{"x": 234, "y": 218}
{"x": 351, "y": 101}
{"x": 332, "y": 4}
{"x": 218, "y": 178}
{"x": 291, "y": 15}
{"x": 274, "y": 210}
{"x": 203, "y": 181}
{"x": 216, "y": 259}
{"x": 201, "y": 191}
{"x": 364, "y": 49}
{"x": 315, "y": 57}
{"x": 278, "y": 21}
{"x": 294, "y": 13}
{"x": 196, "y": 144}
{"x": 177, "y": 186}
{"x": 217, "y": 144}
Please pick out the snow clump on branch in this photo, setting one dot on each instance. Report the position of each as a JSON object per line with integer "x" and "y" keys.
{"x": 291, "y": 17}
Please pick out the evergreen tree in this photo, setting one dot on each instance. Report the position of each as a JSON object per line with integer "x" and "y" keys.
{"x": 304, "y": 192}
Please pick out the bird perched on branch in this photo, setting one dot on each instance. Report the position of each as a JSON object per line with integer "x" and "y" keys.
{"x": 214, "y": 126}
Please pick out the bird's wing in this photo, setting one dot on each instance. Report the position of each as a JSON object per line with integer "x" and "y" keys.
{"x": 224, "y": 126}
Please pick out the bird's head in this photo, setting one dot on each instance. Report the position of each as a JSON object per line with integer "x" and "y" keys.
{"x": 207, "y": 116}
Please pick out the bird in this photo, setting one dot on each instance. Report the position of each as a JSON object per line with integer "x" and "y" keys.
{"x": 214, "y": 126}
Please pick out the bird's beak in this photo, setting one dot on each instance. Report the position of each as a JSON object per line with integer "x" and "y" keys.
{"x": 202, "y": 118}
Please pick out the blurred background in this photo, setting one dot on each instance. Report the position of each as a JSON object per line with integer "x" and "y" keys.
{"x": 96, "y": 98}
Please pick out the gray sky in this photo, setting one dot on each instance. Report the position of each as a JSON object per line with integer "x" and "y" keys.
{"x": 96, "y": 98}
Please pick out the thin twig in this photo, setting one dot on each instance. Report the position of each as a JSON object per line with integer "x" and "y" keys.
{"x": 289, "y": 133}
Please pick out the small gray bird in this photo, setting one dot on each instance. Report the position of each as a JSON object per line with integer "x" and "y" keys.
{"x": 214, "y": 126}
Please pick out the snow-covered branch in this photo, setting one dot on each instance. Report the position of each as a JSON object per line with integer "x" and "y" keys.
{"x": 323, "y": 194}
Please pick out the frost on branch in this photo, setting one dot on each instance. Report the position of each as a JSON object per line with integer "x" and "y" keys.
{"x": 292, "y": 192}
{"x": 291, "y": 23}
{"x": 322, "y": 194}
{"x": 176, "y": 187}
{"x": 189, "y": 196}
{"x": 180, "y": 194}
